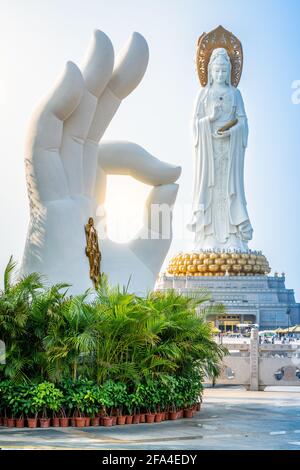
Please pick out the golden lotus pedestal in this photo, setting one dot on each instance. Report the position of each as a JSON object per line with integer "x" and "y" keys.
{"x": 240, "y": 281}
{"x": 213, "y": 263}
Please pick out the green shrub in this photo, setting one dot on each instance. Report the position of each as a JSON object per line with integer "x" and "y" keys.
{"x": 120, "y": 352}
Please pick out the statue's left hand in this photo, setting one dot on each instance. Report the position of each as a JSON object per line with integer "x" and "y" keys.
{"x": 221, "y": 135}
{"x": 66, "y": 170}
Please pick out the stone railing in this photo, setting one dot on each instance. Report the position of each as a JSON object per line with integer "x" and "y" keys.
{"x": 260, "y": 365}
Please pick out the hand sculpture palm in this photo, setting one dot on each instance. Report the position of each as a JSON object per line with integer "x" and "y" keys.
{"x": 66, "y": 170}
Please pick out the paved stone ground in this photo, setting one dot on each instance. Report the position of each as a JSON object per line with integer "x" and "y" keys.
{"x": 230, "y": 419}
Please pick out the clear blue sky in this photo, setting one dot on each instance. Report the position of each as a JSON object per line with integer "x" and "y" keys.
{"x": 38, "y": 37}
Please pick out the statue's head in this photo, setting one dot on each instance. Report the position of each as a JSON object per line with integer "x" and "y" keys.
{"x": 219, "y": 67}
{"x": 91, "y": 221}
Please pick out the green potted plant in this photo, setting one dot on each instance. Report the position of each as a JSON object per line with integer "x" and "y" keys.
{"x": 107, "y": 402}
{"x": 118, "y": 394}
{"x": 171, "y": 385}
{"x": 73, "y": 404}
{"x": 67, "y": 406}
{"x": 46, "y": 400}
{"x": 5, "y": 392}
{"x": 129, "y": 407}
{"x": 19, "y": 404}
{"x": 10, "y": 400}
{"x": 91, "y": 406}
{"x": 137, "y": 402}
{"x": 182, "y": 395}
{"x": 186, "y": 393}
{"x": 192, "y": 390}
{"x": 55, "y": 401}
{"x": 79, "y": 407}
{"x": 151, "y": 401}
{"x": 157, "y": 399}
{"x": 97, "y": 413}
{"x": 32, "y": 406}
{"x": 163, "y": 393}
{"x": 113, "y": 398}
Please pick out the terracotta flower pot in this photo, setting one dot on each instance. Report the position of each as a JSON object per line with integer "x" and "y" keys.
{"x": 114, "y": 420}
{"x": 158, "y": 417}
{"x": 95, "y": 421}
{"x": 129, "y": 419}
{"x": 87, "y": 421}
{"x": 44, "y": 422}
{"x": 136, "y": 419}
{"x": 64, "y": 422}
{"x": 150, "y": 417}
{"x": 11, "y": 422}
{"x": 20, "y": 423}
{"x": 173, "y": 415}
{"x": 73, "y": 422}
{"x": 163, "y": 416}
{"x": 188, "y": 413}
{"x": 142, "y": 418}
{"x": 121, "y": 420}
{"x": 55, "y": 422}
{"x": 4, "y": 421}
{"x": 107, "y": 421}
{"x": 80, "y": 422}
{"x": 32, "y": 422}
{"x": 180, "y": 414}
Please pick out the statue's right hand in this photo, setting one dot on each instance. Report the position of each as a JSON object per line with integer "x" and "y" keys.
{"x": 67, "y": 168}
{"x": 216, "y": 113}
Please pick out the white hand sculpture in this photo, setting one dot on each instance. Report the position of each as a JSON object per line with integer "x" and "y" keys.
{"x": 66, "y": 170}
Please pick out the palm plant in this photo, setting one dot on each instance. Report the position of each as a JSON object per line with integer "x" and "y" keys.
{"x": 118, "y": 323}
{"x": 26, "y": 305}
{"x": 113, "y": 337}
{"x": 184, "y": 337}
{"x": 71, "y": 338}
{"x": 15, "y": 299}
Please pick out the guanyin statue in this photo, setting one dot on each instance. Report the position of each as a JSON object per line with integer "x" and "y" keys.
{"x": 220, "y": 219}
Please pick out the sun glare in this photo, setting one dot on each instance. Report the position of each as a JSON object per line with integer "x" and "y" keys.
{"x": 125, "y": 199}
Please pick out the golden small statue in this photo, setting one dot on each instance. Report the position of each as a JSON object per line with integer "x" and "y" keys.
{"x": 92, "y": 251}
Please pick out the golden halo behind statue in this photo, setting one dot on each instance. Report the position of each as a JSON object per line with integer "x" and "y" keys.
{"x": 219, "y": 37}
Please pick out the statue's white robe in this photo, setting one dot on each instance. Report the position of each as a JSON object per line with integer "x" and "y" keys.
{"x": 204, "y": 174}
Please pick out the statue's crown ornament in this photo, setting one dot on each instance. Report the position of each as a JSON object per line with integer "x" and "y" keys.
{"x": 219, "y": 38}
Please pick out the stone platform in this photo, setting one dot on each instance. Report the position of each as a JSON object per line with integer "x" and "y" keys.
{"x": 230, "y": 418}
{"x": 262, "y": 299}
